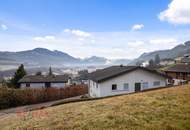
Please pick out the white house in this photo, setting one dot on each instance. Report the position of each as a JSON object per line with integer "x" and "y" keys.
{"x": 117, "y": 80}
{"x": 42, "y": 81}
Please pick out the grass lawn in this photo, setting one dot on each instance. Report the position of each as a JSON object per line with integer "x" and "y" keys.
{"x": 164, "y": 109}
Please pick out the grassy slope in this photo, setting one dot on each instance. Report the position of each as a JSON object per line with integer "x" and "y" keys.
{"x": 167, "y": 109}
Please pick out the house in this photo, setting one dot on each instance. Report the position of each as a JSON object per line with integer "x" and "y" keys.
{"x": 183, "y": 60}
{"x": 121, "y": 79}
{"x": 42, "y": 81}
{"x": 179, "y": 72}
{"x": 82, "y": 77}
{"x": 166, "y": 61}
{"x": 186, "y": 59}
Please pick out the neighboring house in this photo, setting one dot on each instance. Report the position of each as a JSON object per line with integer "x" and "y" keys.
{"x": 186, "y": 59}
{"x": 41, "y": 81}
{"x": 165, "y": 62}
{"x": 183, "y": 60}
{"x": 117, "y": 80}
{"x": 179, "y": 72}
{"x": 82, "y": 78}
{"x": 178, "y": 60}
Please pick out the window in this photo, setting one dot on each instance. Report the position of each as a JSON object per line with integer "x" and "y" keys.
{"x": 156, "y": 83}
{"x": 126, "y": 86}
{"x": 145, "y": 85}
{"x": 114, "y": 86}
{"x": 27, "y": 84}
{"x": 177, "y": 75}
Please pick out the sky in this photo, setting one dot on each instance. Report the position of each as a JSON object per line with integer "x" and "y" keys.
{"x": 83, "y": 28}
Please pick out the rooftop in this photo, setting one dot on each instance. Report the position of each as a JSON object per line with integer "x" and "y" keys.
{"x": 113, "y": 71}
{"x": 43, "y": 78}
{"x": 179, "y": 68}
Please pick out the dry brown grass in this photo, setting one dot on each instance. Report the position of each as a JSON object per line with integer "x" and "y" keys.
{"x": 165, "y": 109}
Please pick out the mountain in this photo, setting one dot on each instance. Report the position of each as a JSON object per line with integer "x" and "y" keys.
{"x": 43, "y": 57}
{"x": 38, "y": 57}
{"x": 177, "y": 51}
{"x": 95, "y": 60}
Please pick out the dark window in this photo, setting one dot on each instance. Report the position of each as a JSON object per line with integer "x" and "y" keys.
{"x": 156, "y": 83}
{"x": 114, "y": 86}
{"x": 184, "y": 75}
{"x": 177, "y": 75}
{"x": 27, "y": 84}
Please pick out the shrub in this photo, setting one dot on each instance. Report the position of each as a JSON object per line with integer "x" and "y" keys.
{"x": 10, "y": 97}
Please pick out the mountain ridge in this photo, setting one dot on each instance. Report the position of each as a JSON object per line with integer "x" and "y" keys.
{"x": 177, "y": 51}
{"x": 46, "y": 57}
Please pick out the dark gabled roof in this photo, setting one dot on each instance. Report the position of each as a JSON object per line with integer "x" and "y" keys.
{"x": 114, "y": 71}
{"x": 179, "y": 68}
{"x": 42, "y": 79}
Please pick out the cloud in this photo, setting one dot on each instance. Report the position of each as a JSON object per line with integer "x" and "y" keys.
{"x": 44, "y": 39}
{"x": 78, "y": 33}
{"x": 163, "y": 41}
{"x": 105, "y": 44}
{"x": 4, "y": 27}
{"x": 137, "y": 27}
{"x": 135, "y": 43}
{"x": 178, "y": 12}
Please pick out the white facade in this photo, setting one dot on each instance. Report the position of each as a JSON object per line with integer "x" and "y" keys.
{"x": 33, "y": 85}
{"x": 42, "y": 85}
{"x": 146, "y": 79}
{"x": 178, "y": 81}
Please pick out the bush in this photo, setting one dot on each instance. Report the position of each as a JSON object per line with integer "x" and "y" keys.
{"x": 16, "y": 97}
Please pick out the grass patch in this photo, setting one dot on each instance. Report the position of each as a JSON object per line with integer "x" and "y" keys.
{"x": 165, "y": 109}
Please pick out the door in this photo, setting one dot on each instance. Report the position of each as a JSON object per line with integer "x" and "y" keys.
{"x": 137, "y": 87}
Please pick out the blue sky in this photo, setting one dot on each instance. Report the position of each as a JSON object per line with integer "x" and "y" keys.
{"x": 82, "y": 28}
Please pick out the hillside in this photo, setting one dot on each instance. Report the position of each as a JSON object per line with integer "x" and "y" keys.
{"x": 45, "y": 58}
{"x": 177, "y": 51}
{"x": 164, "y": 109}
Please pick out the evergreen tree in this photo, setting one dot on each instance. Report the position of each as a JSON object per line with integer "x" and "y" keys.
{"x": 19, "y": 74}
{"x": 151, "y": 63}
{"x": 157, "y": 59}
{"x": 50, "y": 71}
